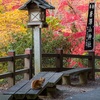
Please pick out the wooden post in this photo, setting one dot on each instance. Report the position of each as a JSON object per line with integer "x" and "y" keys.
{"x": 91, "y": 64}
{"x": 28, "y": 64}
{"x": 11, "y": 68}
{"x": 37, "y": 49}
{"x": 66, "y": 80}
{"x": 83, "y": 78}
{"x": 51, "y": 91}
{"x": 59, "y": 59}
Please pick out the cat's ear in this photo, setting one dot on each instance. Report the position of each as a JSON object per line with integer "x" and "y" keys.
{"x": 40, "y": 78}
{"x": 43, "y": 79}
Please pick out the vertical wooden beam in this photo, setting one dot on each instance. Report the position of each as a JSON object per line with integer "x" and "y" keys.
{"x": 83, "y": 78}
{"x": 59, "y": 59}
{"x": 11, "y": 68}
{"x": 28, "y": 64}
{"x": 66, "y": 80}
{"x": 91, "y": 64}
{"x": 37, "y": 49}
{"x": 51, "y": 91}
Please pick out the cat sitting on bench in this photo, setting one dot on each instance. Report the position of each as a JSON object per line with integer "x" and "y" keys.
{"x": 37, "y": 84}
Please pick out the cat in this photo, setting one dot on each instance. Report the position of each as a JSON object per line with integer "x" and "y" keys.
{"x": 37, "y": 84}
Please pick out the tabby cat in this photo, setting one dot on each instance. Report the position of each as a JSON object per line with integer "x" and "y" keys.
{"x": 37, "y": 84}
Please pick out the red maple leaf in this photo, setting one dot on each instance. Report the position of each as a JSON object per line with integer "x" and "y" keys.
{"x": 6, "y": 1}
{"x": 82, "y": 8}
{"x": 97, "y": 29}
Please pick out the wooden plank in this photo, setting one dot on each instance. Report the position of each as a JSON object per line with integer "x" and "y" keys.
{"x": 75, "y": 71}
{"x": 54, "y": 79}
{"x": 21, "y": 71}
{"x": 81, "y": 71}
{"x": 77, "y": 56}
{"x": 16, "y": 87}
{"x": 97, "y": 70}
{"x": 5, "y": 59}
{"x": 50, "y": 55}
{"x": 22, "y": 92}
{"x": 22, "y": 56}
{"x": 5, "y": 75}
{"x": 32, "y": 94}
{"x": 55, "y": 69}
{"x": 6, "y": 97}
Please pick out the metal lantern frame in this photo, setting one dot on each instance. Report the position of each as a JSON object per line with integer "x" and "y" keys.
{"x": 37, "y": 12}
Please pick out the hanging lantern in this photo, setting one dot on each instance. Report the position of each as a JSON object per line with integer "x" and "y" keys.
{"x": 37, "y": 12}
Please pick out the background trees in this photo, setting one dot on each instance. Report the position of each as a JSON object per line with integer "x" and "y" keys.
{"x": 73, "y": 15}
{"x": 12, "y": 25}
{"x": 67, "y": 27}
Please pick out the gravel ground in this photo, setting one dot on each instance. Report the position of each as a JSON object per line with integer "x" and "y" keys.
{"x": 64, "y": 91}
{"x": 67, "y": 91}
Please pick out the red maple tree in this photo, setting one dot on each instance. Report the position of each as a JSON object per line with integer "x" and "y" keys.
{"x": 73, "y": 15}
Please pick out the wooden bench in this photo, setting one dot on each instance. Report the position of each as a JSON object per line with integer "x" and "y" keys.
{"x": 82, "y": 72}
{"x": 23, "y": 90}
{"x": 5, "y": 97}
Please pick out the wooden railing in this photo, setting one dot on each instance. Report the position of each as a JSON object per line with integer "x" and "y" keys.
{"x": 29, "y": 70}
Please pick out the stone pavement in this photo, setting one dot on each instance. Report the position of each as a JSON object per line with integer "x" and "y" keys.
{"x": 90, "y": 95}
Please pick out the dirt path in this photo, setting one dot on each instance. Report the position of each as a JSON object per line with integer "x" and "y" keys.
{"x": 65, "y": 91}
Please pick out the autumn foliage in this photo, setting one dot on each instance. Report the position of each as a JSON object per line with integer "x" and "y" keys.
{"x": 67, "y": 23}
{"x": 73, "y": 15}
{"x": 12, "y": 22}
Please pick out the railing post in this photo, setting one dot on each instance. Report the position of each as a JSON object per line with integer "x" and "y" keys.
{"x": 59, "y": 59}
{"x": 11, "y": 68}
{"x": 28, "y": 64}
{"x": 91, "y": 64}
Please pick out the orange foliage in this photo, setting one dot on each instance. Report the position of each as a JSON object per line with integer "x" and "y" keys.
{"x": 9, "y": 5}
{"x": 12, "y": 21}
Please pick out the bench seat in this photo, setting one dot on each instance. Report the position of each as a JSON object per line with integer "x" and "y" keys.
{"x": 75, "y": 71}
{"x": 82, "y": 72}
{"x": 23, "y": 90}
{"x": 5, "y": 97}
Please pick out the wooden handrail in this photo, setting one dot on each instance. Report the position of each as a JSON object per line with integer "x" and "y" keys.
{"x": 5, "y": 59}
{"x": 22, "y": 56}
{"x": 28, "y": 57}
{"x": 77, "y": 56}
{"x": 21, "y": 71}
{"x": 5, "y": 75}
{"x": 9, "y": 74}
{"x": 50, "y": 55}
{"x": 97, "y": 57}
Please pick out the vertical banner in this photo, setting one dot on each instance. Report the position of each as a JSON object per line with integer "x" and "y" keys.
{"x": 89, "y": 38}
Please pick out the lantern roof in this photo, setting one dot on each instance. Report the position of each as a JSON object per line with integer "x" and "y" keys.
{"x": 40, "y": 3}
